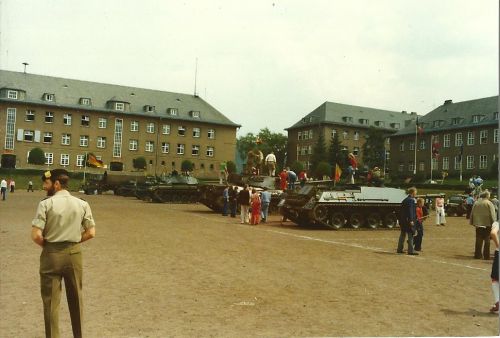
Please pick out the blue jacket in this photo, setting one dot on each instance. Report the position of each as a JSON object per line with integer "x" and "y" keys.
{"x": 408, "y": 213}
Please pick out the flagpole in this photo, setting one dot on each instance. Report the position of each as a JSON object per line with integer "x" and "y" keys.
{"x": 415, "y": 149}
{"x": 461, "y": 159}
{"x": 85, "y": 167}
{"x": 432, "y": 145}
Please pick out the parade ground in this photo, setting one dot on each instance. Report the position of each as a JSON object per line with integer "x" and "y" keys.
{"x": 164, "y": 270}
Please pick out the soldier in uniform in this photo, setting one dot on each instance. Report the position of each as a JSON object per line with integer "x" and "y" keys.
{"x": 57, "y": 229}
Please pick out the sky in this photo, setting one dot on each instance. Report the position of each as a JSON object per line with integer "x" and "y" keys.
{"x": 265, "y": 63}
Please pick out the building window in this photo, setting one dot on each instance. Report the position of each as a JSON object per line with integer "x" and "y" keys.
{"x": 195, "y": 114}
{"x": 434, "y": 163}
{"x": 79, "y": 160}
{"x": 345, "y": 134}
{"x": 421, "y": 166}
{"x": 470, "y": 162}
{"x": 49, "y": 158}
{"x": 181, "y": 130}
{"x": 334, "y": 131}
{"x": 388, "y": 141}
{"x": 483, "y": 162}
{"x": 356, "y": 135}
{"x": 495, "y": 116}
{"x": 310, "y": 134}
{"x": 103, "y": 122}
{"x": 411, "y": 166}
{"x": 165, "y": 129}
{"x": 470, "y": 138}
{"x": 134, "y": 126}
{"x": 458, "y": 162}
{"x": 395, "y": 125}
{"x": 210, "y": 151}
{"x": 196, "y": 132}
{"x": 180, "y": 149}
{"x": 49, "y": 117}
{"x": 64, "y": 159}
{"x": 401, "y": 167}
{"x": 85, "y": 101}
{"x": 483, "y": 137}
{"x": 85, "y": 120}
{"x": 211, "y": 133}
{"x": 456, "y": 120}
{"x": 84, "y": 141}
{"x": 165, "y": 147}
{"x": 149, "y": 108}
{"x": 47, "y": 137}
{"x": 355, "y": 151}
{"x": 28, "y": 135}
{"x": 402, "y": 146}
{"x": 149, "y": 146}
{"x": 309, "y": 149}
{"x": 67, "y": 119}
{"x": 133, "y": 144}
{"x": 12, "y": 94}
{"x": 458, "y": 139}
{"x": 495, "y": 136}
{"x": 411, "y": 146}
{"x": 446, "y": 163}
{"x": 477, "y": 118}
{"x": 49, "y": 97}
{"x": 172, "y": 111}
{"x": 120, "y": 106}
{"x": 30, "y": 115}
{"x": 364, "y": 121}
{"x": 66, "y": 139}
{"x": 422, "y": 145}
{"x": 101, "y": 142}
{"x": 195, "y": 150}
{"x": 299, "y": 135}
{"x": 150, "y": 128}
{"x": 347, "y": 119}
{"x": 117, "y": 138}
{"x": 446, "y": 140}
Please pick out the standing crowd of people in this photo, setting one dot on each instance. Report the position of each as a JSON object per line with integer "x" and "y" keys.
{"x": 8, "y": 185}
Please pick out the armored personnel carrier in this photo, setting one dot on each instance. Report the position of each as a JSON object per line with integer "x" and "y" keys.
{"x": 342, "y": 206}
{"x": 120, "y": 182}
{"x": 211, "y": 194}
{"x": 172, "y": 189}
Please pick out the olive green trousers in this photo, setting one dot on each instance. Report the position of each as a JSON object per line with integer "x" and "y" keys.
{"x": 61, "y": 261}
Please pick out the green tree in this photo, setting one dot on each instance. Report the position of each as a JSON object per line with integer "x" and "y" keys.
{"x": 36, "y": 156}
{"x": 187, "y": 165}
{"x": 323, "y": 169}
{"x": 374, "y": 148}
{"x": 139, "y": 163}
{"x": 335, "y": 155}
{"x": 231, "y": 167}
{"x": 297, "y": 167}
{"x": 319, "y": 152}
{"x": 268, "y": 141}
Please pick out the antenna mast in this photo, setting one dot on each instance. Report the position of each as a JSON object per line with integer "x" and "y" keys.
{"x": 195, "y": 76}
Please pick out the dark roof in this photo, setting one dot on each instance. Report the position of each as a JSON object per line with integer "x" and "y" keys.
{"x": 336, "y": 113}
{"x": 457, "y": 115}
{"x": 68, "y": 93}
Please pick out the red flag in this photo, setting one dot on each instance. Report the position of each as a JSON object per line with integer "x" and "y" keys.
{"x": 338, "y": 173}
{"x": 435, "y": 149}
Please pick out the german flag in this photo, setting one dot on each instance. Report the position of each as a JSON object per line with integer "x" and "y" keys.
{"x": 93, "y": 161}
{"x": 338, "y": 173}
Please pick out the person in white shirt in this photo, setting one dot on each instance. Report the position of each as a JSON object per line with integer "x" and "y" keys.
{"x": 3, "y": 188}
{"x": 271, "y": 163}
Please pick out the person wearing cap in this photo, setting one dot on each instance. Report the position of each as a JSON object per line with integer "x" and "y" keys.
{"x": 57, "y": 229}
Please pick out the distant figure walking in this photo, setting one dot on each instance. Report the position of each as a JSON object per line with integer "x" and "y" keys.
{"x": 482, "y": 217}
{"x": 407, "y": 221}
{"x": 440, "y": 218}
{"x": 3, "y": 188}
{"x": 12, "y": 185}
{"x": 30, "y": 186}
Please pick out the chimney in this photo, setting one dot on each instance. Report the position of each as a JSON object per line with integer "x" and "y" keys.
{"x": 413, "y": 113}
{"x": 403, "y": 112}
{"x": 448, "y": 101}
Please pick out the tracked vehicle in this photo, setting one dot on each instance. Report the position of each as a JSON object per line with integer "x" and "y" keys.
{"x": 173, "y": 189}
{"x": 344, "y": 206}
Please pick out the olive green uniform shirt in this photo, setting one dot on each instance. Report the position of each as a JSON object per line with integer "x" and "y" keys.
{"x": 61, "y": 217}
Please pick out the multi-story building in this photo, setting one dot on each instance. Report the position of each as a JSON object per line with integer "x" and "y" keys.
{"x": 455, "y": 138}
{"x": 69, "y": 118}
{"x": 350, "y": 122}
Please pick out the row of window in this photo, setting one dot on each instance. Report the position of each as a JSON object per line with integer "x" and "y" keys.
{"x": 459, "y": 120}
{"x": 483, "y": 139}
{"x": 308, "y": 134}
{"x": 134, "y": 125}
{"x": 64, "y": 160}
{"x": 445, "y": 164}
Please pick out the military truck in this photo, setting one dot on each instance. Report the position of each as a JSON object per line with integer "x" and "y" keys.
{"x": 343, "y": 206}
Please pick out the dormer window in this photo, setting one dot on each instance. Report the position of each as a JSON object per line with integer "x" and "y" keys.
{"x": 119, "y": 106}
{"x": 495, "y": 116}
{"x": 456, "y": 120}
{"x": 48, "y": 97}
{"x": 395, "y": 125}
{"x": 195, "y": 114}
{"x": 364, "y": 121}
{"x": 380, "y": 123}
{"x": 477, "y": 118}
{"x": 347, "y": 119}
{"x": 172, "y": 111}
{"x": 149, "y": 109}
{"x": 85, "y": 101}
{"x": 12, "y": 94}
{"x": 437, "y": 123}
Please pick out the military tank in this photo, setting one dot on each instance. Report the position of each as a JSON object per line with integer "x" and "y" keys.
{"x": 172, "y": 189}
{"x": 344, "y": 206}
{"x": 211, "y": 194}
